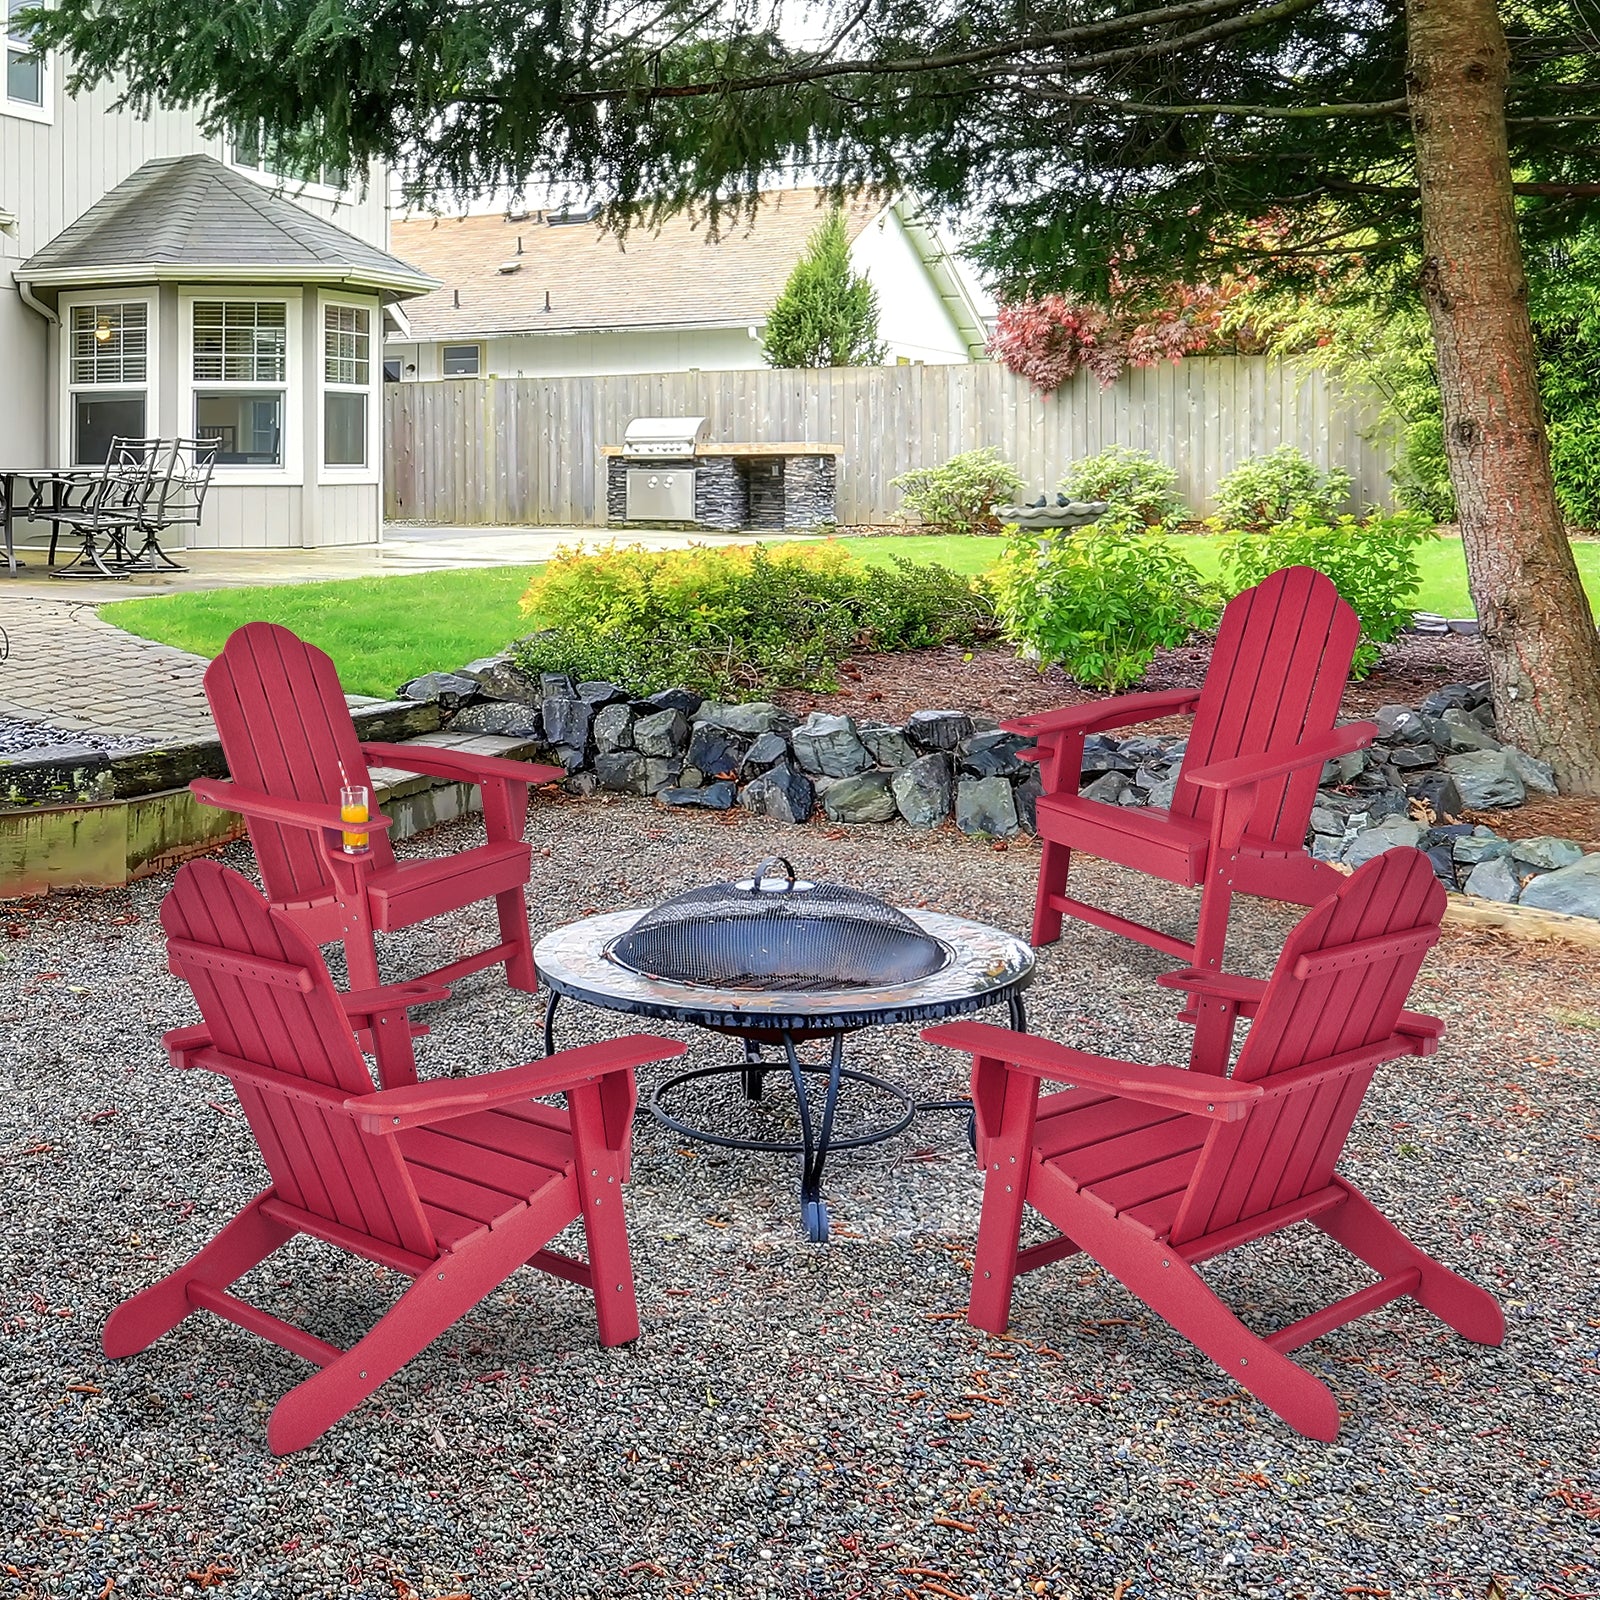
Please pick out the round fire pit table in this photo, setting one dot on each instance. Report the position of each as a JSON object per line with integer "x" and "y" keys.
{"x": 985, "y": 967}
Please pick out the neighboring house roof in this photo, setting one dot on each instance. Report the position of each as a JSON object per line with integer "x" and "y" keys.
{"x": 572, "y": 277}
{"x": 193, "y": 219}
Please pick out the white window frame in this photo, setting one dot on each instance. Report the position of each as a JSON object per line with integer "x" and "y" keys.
{"x": 282, "y": 182}
{"x": 152, "y": 364}
{"x": 292, "y": 472}
{"x": 372, "y": 471}
{"x": 462, "y": 344}
{"x": 46, "y": 110}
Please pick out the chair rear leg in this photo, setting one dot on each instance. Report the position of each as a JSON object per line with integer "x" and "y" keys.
{"x": 246, "y": 1242}
{"x": 1154, "y": 1272}
{"x": 602, "y": 1169}
{"x": 1368, "y": 1235}
{"x": 1054, "y": 862}
{"x": 994, "y": 1260}
{"x": 1216, "y": 900}
{"x": 512, "y": 909}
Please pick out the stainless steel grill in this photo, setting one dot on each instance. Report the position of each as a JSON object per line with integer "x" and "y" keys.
{"x": 649, "y": 438}
{"x": 664, "y": 492}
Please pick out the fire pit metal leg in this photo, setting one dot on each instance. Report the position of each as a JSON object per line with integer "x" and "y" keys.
{"x": 550, "y": 1022}
{"x": 813, "y": 1208}
{"x": 754, "y": 1072}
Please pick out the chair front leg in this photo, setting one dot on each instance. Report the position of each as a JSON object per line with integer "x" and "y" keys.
{"x": 1006, "y": 1105}
{"x": 601, "y": 1173}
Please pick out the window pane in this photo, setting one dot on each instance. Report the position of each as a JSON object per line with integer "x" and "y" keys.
{"x": 461, "y": 361}
{"x": 109, "y": 343}
{"x": 248, "y": 428}
{"x": 24, "y": 78}
{"x": 344, "y": 430}
{"x": 247, "y": 145}
{"x": 100, "y": 418}
{"x": 240, "y": 341}
{"x": 346, "y": 345}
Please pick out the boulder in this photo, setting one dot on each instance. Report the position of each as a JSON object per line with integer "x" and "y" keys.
{"x": 582, "y": 784}
{"x": 716, "y": 752}
{"x": 1400, "y": 725}
{"x": 1108, "y": 787}
{"x": 988, "y": 755}
{"x": 1452, "y": 697}
{"x": 767, "y": 751}
{"x": 1412, "y": 757}
{"x": 1481, "y": 845}
{"x": 500, "y": 679}
{"x": 786, "y": 793}
{"x": 1162, "y": 790}
{"x": 1388, "y": 835}
{"x": 1106, "y": 758}
{"x": 1327, "y": 822}
{"x": 923, "y": 791}
{"x": 569, "y": 757}
{"x": 1443, "y": 867}
{"x": 939, "y": 730}
{"x": 512, "y": 717}
{"x": 757, "y": 717}
{"x": 1026, "y": 794}
{"x": 718, "y": 796}
{"x": 828, "y": 744}
{"x": 887, "y": 745}
{"x": 684, "y": 700}
{"x": 1438, "y": 791}
{"x": 1545, "y": 853}
{"x": 1486, "y": 779}
{"x": 662, "y": 733}
{"x": 600, "y": 692}
{"x": 1142, "y": 749}
{"x": 692, "y": 778}
{"x": 986, "y": 805}
{"x": 862, "y": 797}
{"x": 1574, "y": 890}
{"x": 613, "y": 728}
{"x": 1466, "y": 732}
{"x": 557, "y": 686}
{"x": 567, "y": 719}
{"x": 1537, "y": 775}
{"x": 1493, "y": 879}
{"x": 444, "y": 689}
{"x": 1344, "y": 769}
{"x": 624, "y": 771}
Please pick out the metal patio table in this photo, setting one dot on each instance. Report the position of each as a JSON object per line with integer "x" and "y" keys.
{"x": 986, "y": 967}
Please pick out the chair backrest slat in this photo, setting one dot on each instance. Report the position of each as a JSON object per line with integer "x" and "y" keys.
{"x": 1339, "y": 986}
{"x": 1277, "y": 674}
{"x": 241, "y": 959}
{"x": 286, "y": 731}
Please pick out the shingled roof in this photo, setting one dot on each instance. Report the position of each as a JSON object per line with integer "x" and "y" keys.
{"x": 192, "y": 218}
{"x": 572, "y": 277}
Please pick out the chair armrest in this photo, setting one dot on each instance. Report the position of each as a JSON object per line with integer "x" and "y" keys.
{"x": 1097, "y": 716}
{"x": 1171, "y": 1087}
{"x": 1419, "y": 1027}
{"x": 440, "y": 1099}
{"x": 1242, "y": 992}
{"x": 311, "y": 815}
{"x": 361, "y": 1004}
{"x": 437, "y": 761}
{"x": 184, "y": 1043}
{"x": 1245, "y": 770}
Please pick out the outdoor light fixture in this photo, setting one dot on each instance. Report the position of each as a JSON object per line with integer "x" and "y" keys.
{"x": 102, "y": 330}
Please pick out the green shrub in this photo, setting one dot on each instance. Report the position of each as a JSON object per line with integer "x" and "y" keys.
{"x": 1263, "y": 491}
{"x": 1099, "y": 603}
{"x": 737, "y": 621}
{"x": 960, "y": 496}
{"x": 1140, "y": 492}
{"x": 1372, "y": 561}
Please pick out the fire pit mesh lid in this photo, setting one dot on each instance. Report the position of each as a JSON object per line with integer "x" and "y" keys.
{"x": 770, "y": 932}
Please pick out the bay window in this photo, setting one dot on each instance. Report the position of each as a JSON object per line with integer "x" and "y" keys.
{"x": 346, "y": 384}
{"x": 108, "y": 375}
{"x": 240, "y": 373}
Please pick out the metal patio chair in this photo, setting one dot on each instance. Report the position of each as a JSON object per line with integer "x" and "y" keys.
{"x": 100, "y": 508}
{"x": 177, "y": 499}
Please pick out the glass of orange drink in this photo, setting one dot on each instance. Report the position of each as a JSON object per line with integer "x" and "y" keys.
{"x": 353, "y": 807}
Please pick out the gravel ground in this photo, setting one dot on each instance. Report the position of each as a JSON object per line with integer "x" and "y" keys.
{"x": 18, "y": 735}
{"x": 795, "y": 1421}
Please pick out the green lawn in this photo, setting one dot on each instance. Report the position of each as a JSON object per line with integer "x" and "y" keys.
{"x": 382, "y": 631}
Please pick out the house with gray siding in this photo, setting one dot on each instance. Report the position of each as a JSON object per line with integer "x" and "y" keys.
{"x": 156, "y": 281}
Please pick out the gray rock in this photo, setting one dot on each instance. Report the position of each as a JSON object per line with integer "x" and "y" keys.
{"x": 1452, "y": 697}
{"x": 662, "y": 733}
{"x": 887, "y": 745}
{"x": 660, "y": 773}
{"x": 1574, "y": 890}
{"x": 763, "y": 755}
{"x": 986, "y": 805}
{"x": 786, "y": 793}
{"x": 718, "y": 796}
{"x": 1481, "y": 845}
{"x": 557, "y": 686}
{"x": 757, "y": 717}
{"x": 1466, "y": 732}
{"x": 1025, "y": 795}
{"x": 1326, "y": 821}
{"x": 599, "y": 693}
{"x": 1162, "y": 791}
{"x": 1108, "y": 787}
{"x": 829, "y": 745}
{"x": 1106, "y": 758}
{"x": 1345, "y": 768}
{"x": 500, "y": 679}
{"x": 715, "y": 751}
{"x": 1486, "y": 779}
{"x": 924, "y": 790}
{"x": 1400, "y": 725}
{"x": 1388, "y": 835}
{"x": 1438, "y": 790}
{"x": 567, "y": 719}
{"x": 1545, "y": 852}
{"x": 1537, "y": 775}
{"x": 613, "y": 728}
{"x": 1412, "y": 757}
{"x": 624, "y": 771}
{"x": 1325, "y": 847}
{"x": 1493, "y": 879}
{"x": 987, "y": 755}
{"x": 569, "y": 757}
{"x": 939, "y": 730}
{"x": 692, "y": 778}
{"x": 1443, "y": 867}
{"x": 445, "y": 689}
{"x": 684, "y": 700}
{"x": 863, "y": 797}
{"x": 582, "y": 784}
{"x": 513, "y": 717}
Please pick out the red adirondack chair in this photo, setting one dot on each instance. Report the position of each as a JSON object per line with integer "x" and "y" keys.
{"x": 1263, "y": 727}
{"x": 1151, "y": 1170}
{"x": 290, "y": 744}
{"x": 455, "y": 1183}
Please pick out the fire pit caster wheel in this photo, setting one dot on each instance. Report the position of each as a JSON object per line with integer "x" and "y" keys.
{"x": 814, "y": 1214}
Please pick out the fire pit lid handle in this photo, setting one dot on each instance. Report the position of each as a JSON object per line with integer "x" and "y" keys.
{"x": 759, "y": 876}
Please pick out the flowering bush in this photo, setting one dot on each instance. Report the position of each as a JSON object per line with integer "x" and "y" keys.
{"x": 960, "y": 496}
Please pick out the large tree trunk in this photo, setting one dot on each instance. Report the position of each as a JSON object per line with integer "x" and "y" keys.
{"x": 1543, "y": 649}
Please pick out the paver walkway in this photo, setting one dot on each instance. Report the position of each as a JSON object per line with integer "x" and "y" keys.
{"x": 68, "y": 667}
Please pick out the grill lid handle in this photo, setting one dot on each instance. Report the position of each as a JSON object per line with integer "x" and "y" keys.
{"x": 758, "y": 877}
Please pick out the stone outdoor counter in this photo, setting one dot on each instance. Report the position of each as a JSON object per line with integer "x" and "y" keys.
{"x": 760, "y": 488}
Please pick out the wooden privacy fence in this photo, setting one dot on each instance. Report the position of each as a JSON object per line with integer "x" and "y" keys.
{"x": 527, "y": 450}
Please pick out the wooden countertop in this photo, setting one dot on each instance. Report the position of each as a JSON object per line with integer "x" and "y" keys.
{"x": 714, "y": 449}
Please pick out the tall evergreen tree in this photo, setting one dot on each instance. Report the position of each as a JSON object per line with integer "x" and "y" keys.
{"x": 1153, "y": 139}
{"x": 827, "y": 315}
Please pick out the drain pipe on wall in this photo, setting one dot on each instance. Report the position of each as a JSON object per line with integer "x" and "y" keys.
{"x": 30, "y": 300}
